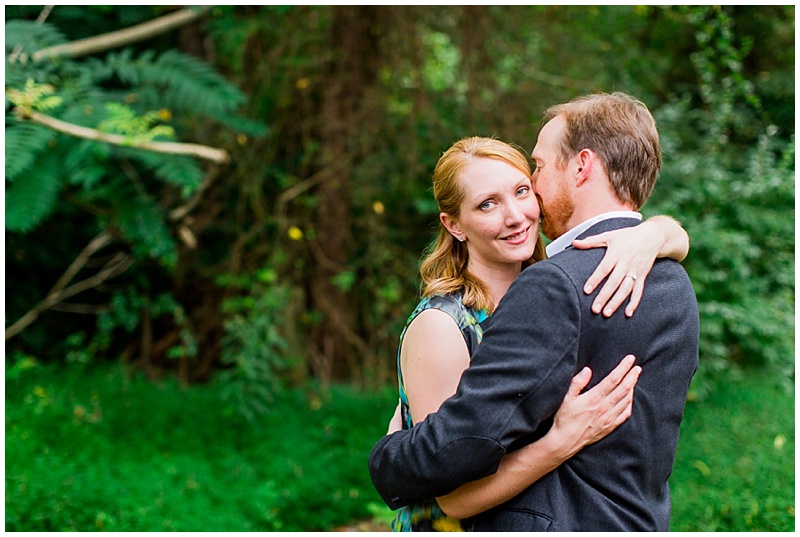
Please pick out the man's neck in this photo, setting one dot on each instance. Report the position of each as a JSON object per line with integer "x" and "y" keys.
{"x": 588, "y": 211}
{"x": 565, "y": 240}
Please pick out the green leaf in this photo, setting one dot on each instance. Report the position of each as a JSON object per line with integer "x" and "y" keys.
{"x": 141, "y": 221}
{"x": 176, "y": 170}
{"x": 24, "y": 142}
{"x": 32, "y": 197}
{"x": 31, "y": 35}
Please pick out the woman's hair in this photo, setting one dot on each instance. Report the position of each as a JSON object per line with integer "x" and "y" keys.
{"x": 622, "y": 131}
{"x": 444, "y": 267}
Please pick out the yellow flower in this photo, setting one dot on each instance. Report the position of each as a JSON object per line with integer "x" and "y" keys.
{"x": 302, "y": 83}
{"x": 378, "y": 207}
{"x": 164, "y": 114}
{"x": 295, "y": 233}
{"x": 241, "y": 139}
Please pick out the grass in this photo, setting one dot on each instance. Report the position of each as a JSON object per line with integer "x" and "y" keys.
{"x": 94, "y": 450}
{"x": 735, "y": 467}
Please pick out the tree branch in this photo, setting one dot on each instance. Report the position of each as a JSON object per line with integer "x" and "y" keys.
{"x": 179, "y": 212}
{"x": 118, "y": 264}
{"x": 96, "y": 244}
{"x": 118, "y": 38}
{"x": 85, "y": 309}
{"x": 219, "y": 156}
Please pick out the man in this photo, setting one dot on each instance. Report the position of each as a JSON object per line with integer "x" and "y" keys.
{"x": 597, "y": 159}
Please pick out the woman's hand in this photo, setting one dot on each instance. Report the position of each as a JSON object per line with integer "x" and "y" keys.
{"x": 630, "y": 254}
{"x": 583, "y": 419}
{"x": 396, "y": 423}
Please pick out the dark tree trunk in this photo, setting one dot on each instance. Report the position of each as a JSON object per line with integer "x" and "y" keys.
{"x": 334, "y": 345}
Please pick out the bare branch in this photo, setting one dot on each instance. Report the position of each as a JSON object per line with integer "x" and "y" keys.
{"x": 119, "y": 264}
{"x": 220, "y": 156}
{"x": 118, "y": 38}
{"x": 96, "y": 244}
{"x": 178, "y": 213}
{"x": 85, "y": 309}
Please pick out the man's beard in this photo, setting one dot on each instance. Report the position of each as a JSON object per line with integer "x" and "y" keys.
{"x": 556, "y": 216}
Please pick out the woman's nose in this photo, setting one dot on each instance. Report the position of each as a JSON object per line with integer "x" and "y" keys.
{"x": 514, "y": 214}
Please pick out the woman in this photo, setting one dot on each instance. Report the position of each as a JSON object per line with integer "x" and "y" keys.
{"x": 489, "y": 233}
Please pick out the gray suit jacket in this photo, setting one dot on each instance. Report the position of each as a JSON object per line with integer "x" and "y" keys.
{"x": 541, "y": 334}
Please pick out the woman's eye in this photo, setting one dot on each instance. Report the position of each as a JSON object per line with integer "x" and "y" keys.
{"x": 521, "y": 191}
{"x": 486, "y": 205}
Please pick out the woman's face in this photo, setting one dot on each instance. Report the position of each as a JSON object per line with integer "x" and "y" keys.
{"x": 499, "y": 217}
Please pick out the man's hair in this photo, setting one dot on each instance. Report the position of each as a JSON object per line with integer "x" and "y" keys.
{"x": 621, "y": 130}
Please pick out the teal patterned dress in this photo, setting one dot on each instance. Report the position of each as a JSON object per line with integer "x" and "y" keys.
{"x": 427, "y": 516}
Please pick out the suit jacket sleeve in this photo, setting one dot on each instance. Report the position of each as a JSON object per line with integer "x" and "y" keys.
{"x": 517, "y": 378}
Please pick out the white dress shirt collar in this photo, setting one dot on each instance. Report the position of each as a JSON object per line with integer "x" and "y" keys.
{"x": 561, "y": 243}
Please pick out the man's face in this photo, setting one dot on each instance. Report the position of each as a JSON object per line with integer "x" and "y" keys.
{"x": 550, "y": 183}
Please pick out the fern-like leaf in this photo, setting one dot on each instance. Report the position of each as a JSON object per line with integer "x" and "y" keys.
{"x": 31, "y": 35}
{"x": 141, "y": 221}
{"x": 32, "y": 197}
{"x": 184, "y": 83}
{"x": 25, "y": 141}
{"x": 87, "y": 164}
{"x": 177, "y": 170}
{"x": 194, "y": 83}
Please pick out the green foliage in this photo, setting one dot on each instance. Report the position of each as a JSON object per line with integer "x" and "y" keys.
{"x": 254, "y": 348}
{"x": 31, "y": 36}
{"x": 93, "y": 449}
{"x": 182, "y": 83}
{"x": 740, "y": 220}
{"x": 33, "y": 97}
{"x": 729, "y": 178}
{"x": 23, "y": 142}
{"x": 129, "y": 191}
{"x": 719, "y": 78}
{"x": 32, "y": 196}
{"x": 179, "y": 171}
{"x": 137, "y": 129}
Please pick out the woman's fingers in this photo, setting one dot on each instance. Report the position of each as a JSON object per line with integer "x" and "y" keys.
{"x": 580, "y": 381}
{"x": 603, "y": 269}
{"x": 636, "y": 297}
{"x": 626, "y": 263}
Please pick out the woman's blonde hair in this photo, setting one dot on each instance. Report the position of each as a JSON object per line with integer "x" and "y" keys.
{"x": 444, "y": 267}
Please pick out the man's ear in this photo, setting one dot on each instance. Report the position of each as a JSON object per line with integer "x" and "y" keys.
{"x": 451, "y": 225}
{"x": 586, "y": 161}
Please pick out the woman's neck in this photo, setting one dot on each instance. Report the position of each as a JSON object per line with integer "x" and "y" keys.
{"x": 497, "y": 277}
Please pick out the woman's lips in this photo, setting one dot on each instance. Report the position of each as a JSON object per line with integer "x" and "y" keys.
{"x": 519, "y": 237}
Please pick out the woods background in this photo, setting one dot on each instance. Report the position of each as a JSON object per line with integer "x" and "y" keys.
{"x": 241, "y": 194}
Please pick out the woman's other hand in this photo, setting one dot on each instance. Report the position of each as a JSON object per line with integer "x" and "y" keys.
{"x": 396, "y": 423}
{"x": 585, "y": 418}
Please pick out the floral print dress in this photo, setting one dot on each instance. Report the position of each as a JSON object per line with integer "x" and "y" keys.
{"x": 427, "y": 515}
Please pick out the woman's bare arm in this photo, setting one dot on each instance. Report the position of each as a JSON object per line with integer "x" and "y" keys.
{"x": 432, "y": 358}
